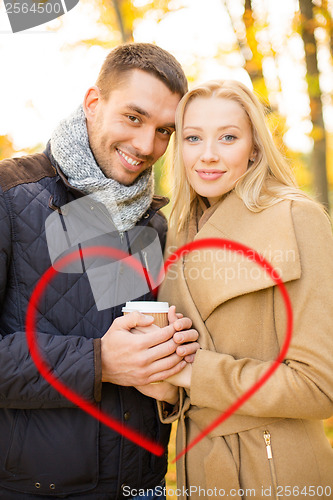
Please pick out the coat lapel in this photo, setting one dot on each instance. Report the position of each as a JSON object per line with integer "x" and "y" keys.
{"x": 215, "y": 276}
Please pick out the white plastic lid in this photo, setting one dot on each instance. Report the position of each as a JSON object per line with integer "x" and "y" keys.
{"x": 146, "y": 307}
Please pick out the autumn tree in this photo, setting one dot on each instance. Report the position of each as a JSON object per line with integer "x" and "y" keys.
{"x": 246, "y": 31}
{"x": 327, "y": 16}
{"x": 119, "y": 18}
{"x": 6, "y": 147}
{"x": 126, "y": 32}
{"x": 253, "y": 56}
{"x": 318, "y": 158}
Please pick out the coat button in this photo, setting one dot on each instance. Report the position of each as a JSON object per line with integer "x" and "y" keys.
{"x": 52, "y": 486}
{"x": 127, "y": 415}
{"x": 37, "y": 485}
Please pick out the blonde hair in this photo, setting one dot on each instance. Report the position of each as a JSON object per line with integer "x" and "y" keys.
{"x": 267, "y": 181}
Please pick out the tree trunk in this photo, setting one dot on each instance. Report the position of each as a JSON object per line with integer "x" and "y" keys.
{"x": 318, "y": 133}
{"x": 248, "y": 47}
{"x": 253, "y": 64}
{"x": 329, "y": 24}
{"x": 125, "y": 35}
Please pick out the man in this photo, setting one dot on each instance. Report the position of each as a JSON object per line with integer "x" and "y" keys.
{"x": 105, "y": 150}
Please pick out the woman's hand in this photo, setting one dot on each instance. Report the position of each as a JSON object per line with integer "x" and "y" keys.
{"x": 185, "y": 338}
{"x": 183, "y": 378}
{"x": 162, "y": 391}
{"x": 178, "y": 338}
{"x": 185, "y": 346}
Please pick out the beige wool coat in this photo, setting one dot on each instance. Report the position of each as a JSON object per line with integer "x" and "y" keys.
{"x": 274, "y": 445}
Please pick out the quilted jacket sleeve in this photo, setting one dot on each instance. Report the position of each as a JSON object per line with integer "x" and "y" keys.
{"x": 71, "y": 357}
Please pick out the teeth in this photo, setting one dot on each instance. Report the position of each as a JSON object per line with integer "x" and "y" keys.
{"x": 129, "y": 160}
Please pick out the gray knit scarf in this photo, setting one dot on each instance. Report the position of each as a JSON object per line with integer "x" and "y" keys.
{"x": 70, "y": 148}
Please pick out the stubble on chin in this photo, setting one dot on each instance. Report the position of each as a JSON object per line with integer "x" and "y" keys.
{"x": 102, "y": 159}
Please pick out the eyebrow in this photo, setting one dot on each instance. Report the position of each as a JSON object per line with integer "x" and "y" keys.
{"x": 192, "y": 127}
{"x": 136, "y": 109}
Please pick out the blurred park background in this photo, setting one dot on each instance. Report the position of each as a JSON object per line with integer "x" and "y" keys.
{"x": 282, "y": 49}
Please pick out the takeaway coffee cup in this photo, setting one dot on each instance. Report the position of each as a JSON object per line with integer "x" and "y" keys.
{"x": 159, "y": 310}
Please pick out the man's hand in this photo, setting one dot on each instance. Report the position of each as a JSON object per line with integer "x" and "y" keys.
{"x": 136, "y": 360}
{"x": 162, "y": 391}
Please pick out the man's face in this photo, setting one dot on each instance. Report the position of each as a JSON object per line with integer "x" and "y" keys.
{"x": 130, "y": 130}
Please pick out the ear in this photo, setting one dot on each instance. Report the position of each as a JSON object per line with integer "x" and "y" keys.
{"x": 253, "y": 155}
{"x": 90, "y": 102}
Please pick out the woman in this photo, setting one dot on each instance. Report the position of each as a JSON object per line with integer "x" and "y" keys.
{"x": 231, "y": 182}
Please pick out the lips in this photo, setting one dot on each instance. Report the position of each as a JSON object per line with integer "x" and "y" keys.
{"x": 129, "y": 162}
{"x": 210, "y": 175}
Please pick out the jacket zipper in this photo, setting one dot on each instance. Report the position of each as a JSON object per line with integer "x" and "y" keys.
{"x": 267, "y": 438}
{"x": 121, "y": 233}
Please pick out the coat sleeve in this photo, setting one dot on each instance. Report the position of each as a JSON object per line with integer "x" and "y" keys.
{"x": 302, "y": 386}
{"x": 71, "y": 358}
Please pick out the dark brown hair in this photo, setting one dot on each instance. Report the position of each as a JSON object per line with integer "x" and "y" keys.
{"x": 146, "y": 57}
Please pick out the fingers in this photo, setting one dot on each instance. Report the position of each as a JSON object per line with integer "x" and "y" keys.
{"x": 163, "y": 350}
{"x": 165, "y": 341}
{"x": 172, "y": 315}
{"x": 141, "y": 359}
{"x": 162, "y": 391}
{"x": 155, "y": 335}
{"x": 164, "y": 368}
{"x": 145, "y": 329}
{"x": 132, "y": 320}
{"x": 190, "y": 358}
{"x": 186, "y": 336}
{"x": 187, "y": 349}
{"x": 182, "y": 324}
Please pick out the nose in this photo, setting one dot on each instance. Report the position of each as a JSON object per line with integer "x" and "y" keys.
{"x": 144, "y": 141}
{"x": 209, "y": 153}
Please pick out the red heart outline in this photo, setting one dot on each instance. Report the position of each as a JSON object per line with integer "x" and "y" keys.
{"x": 234, "y": 246}
{"x": 46, "y": 371}
{"x": 92, "y": 409}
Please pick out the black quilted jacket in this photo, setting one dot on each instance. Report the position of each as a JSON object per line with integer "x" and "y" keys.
{"x": 49, "y": 447}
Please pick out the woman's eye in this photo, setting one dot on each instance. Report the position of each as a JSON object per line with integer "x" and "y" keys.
{"x": 228, "y": 138}
{"x": 192, "y": 138}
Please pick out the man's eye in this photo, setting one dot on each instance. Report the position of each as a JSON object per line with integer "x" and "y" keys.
{"x": 133, "y": 119}
{"x": 164, "y": 131}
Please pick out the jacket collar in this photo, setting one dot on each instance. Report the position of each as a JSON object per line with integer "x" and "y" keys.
{"x": 270, "y": 233}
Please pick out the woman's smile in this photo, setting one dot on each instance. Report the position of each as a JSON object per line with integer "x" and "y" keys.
{"x": 210, "y": 175}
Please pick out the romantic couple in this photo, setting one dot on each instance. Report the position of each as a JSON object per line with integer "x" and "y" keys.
{"x": 230, "y": 182}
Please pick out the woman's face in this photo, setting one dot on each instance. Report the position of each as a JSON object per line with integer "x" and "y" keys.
{"x": 217, "y": 145}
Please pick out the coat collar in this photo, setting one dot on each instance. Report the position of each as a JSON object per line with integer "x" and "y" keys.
{"x": 224, "y": 274}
